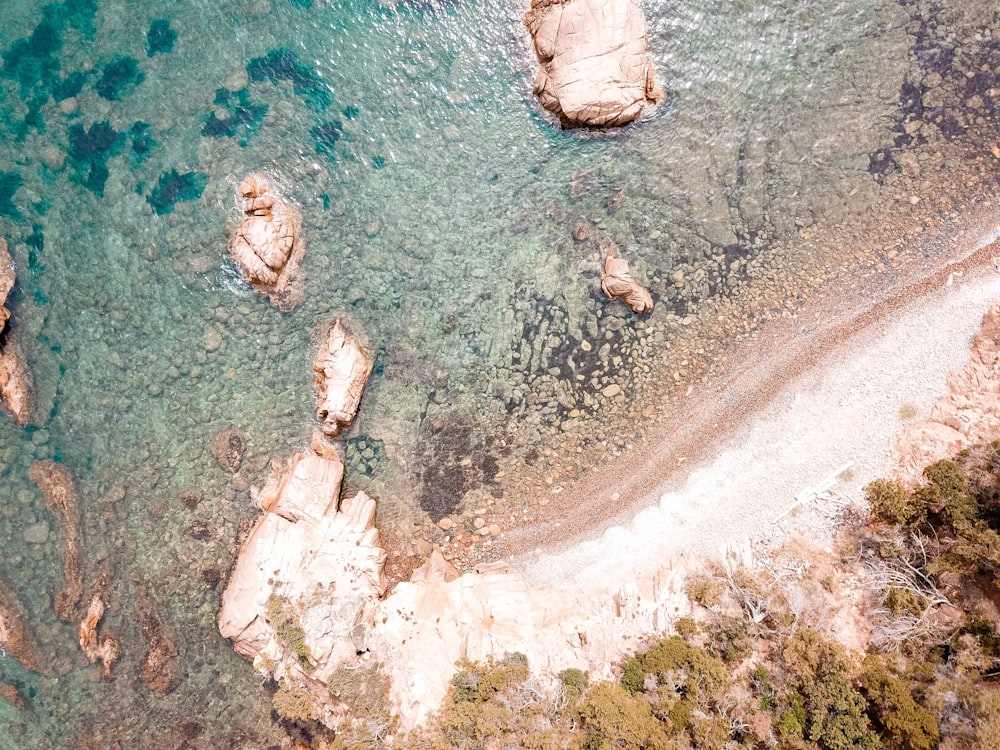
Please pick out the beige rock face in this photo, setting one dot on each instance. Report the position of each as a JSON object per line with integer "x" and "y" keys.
{"x": 15, "y": 379}
{"x": 306, "y": 586}
{"x": 267, "y": 246}
{"x": 618, "y": 283}
{"x": 439, "y": 617}
{"x": 968, "y": 414}
{"x": 342, "y": 369}
{"x": 593, "y": 66}
{"x": 305, "y": 599}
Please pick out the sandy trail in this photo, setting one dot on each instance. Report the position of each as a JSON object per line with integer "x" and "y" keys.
{"x": 838, "y": 402}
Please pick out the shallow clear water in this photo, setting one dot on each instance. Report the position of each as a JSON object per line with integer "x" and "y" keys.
{"x": 439, "y": 209}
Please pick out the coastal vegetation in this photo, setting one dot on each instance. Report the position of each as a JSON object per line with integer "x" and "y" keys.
{"x": 754, "y": 668}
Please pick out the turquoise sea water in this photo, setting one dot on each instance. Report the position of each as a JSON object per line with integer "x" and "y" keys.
{"x": 439, "y": 207}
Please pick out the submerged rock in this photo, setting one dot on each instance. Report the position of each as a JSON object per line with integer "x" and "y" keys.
{"x": 15, "y": 379}
{"x": 60, "y": 495}
{"x": 16, "y": 637}
{"x": 105, "y": 649}
{"x": 161, "y": 668}
{"x": 228, "y": 447}
{"x": 9, "y": 693}
{"x": 618, "y": 283}
{"x": 594, "y": 70}
{"x": 306, "y": 585}
{"x": 267, "y": 245}
{"x": 342, "y": 369}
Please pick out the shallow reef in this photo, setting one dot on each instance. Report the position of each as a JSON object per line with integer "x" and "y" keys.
{"x": 160, "y": 38}
{"x": 118, "y": 78}
{"x": 326, "y": 135}
{"x": 245, "y": 114}
{"x": 173, "y": 188}
{"x": 34, "y": 63}
{"x": 142, "y": 142}
{"x": 10, "y": 183}
{"x": 283, "y": 64}
{"x": 89, "y": 151}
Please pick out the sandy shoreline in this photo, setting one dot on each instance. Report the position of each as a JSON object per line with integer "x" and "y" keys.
{"x": 746, "y": 446}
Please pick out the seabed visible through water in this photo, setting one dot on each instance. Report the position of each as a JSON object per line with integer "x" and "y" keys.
{"x": 451, "y": 221}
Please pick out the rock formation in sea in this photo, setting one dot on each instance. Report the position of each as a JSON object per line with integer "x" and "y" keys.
{"x": 16, "y": 638}
{"x": 15, "y": 378}
{"x": 342, "y": 369}
{"x": 267, "y": 246}
{"x": 618, "y": 283}
{"x": 967, "y": 415}
{"x": 103, "y": 648}
{"x": 59, "y": 492}
{"x": 304, "y": 592}
{"x": 594, "y": 71}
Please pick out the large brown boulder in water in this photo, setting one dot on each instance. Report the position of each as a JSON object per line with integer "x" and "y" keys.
{"x": 15, "y": 379}
{"x": 342, "y": 369}
{"x": 618, "y": 283}
{"x": 267, "y": 246}
{"x": 594, "y": 70}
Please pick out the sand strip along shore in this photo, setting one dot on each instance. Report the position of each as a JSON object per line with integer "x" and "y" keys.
{"x": 840, "y": 406}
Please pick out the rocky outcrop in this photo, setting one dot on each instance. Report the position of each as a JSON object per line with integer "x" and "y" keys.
{"x": 267, "y": 246}
{"x": 15, "y": 379}
{"x": 342, "y": 369}
{"x": 593, "y": 71}
{"x": 440, "y": 617}
{"x": 303, "y": 594}
{"x": 60, "y": 495}
{"x": 304, "y": 603}
{"x": 968, "y": 414}
{"x": 16, "y": 637}
{"x": 618, "y": 283}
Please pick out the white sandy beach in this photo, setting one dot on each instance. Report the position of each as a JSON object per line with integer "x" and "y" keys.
{"x": 845, "y": 409}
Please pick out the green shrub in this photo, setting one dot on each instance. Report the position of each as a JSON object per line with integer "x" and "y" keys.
{"x": 675, "y": 660}
{"x": 730, "y": 638}
{"x": 835, "y": 710}
{"x": 574, "y": 682}
{"x": 890, "y": 502}
{"x": 615, "y": 718}
{"x": 284, "y": 618}
{"x": 296, "y": 703}
{"x": 904, "y": 723}
{"x": 687, "y": 627}
{"x": 988, "y": 724}
{"x": 704, "y": 589}
{"x": 760, "y": 681}
{"x": 477, "y": 683}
